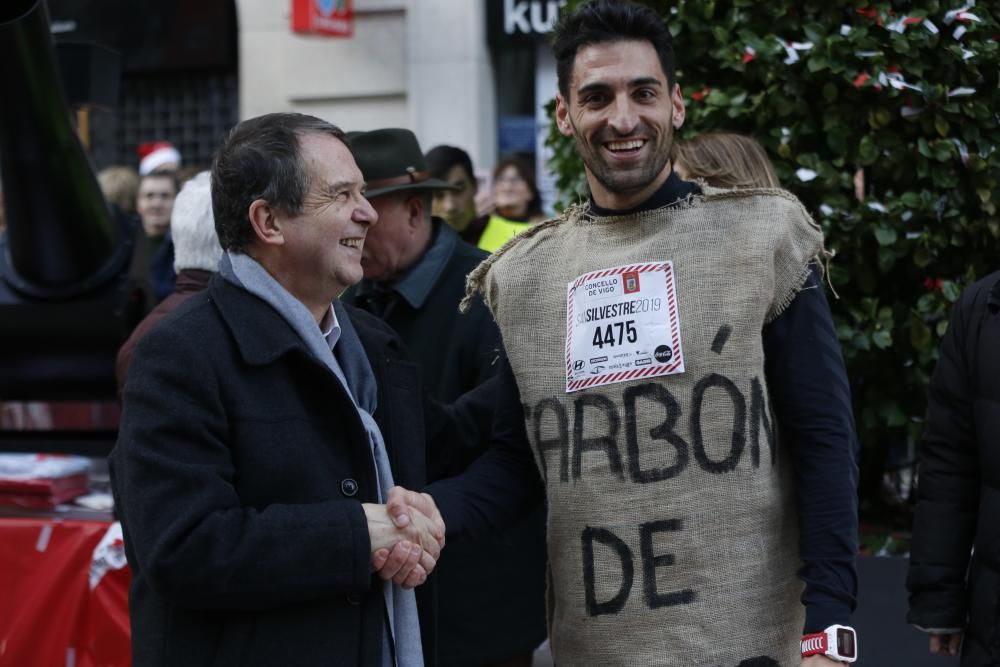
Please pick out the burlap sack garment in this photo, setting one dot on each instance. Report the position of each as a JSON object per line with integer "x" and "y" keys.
{"x": 672, "y": 531}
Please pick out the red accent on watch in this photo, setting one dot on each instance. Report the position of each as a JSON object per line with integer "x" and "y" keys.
{"x": 837, "y": 642}
{"x": 814, "y": 644}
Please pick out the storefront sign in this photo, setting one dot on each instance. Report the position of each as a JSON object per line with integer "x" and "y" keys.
{"x": 323, "y": 17}
{"x": 519, "y": 19}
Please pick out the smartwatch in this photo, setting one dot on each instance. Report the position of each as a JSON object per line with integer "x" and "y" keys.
{"x": 837, "y": 642}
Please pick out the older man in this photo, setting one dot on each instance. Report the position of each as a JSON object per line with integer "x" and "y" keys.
{"x": 262, "y": 427}
{"x": 415, "y": 267}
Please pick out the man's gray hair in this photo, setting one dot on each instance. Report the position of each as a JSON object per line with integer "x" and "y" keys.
{"x": 192, "y": 226}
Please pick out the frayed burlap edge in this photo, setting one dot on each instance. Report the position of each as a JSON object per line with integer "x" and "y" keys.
{"x": 821, "y": 260}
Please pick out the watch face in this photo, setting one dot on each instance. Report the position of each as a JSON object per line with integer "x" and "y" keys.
{"x": 845, "y": 643}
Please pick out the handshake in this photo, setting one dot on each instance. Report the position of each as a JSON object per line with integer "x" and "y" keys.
{"x": 407, "y": 535}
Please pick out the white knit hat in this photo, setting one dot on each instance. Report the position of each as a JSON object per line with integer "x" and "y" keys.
{"x": 192, "y": 227}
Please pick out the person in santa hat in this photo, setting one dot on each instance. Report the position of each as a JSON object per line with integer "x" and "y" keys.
{"x": 158, "y": 156}
{"x": 158, "y": 187}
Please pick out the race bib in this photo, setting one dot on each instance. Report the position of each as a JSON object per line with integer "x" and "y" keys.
{"x": 622, "y": 324}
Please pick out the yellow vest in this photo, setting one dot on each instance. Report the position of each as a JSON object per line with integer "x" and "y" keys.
{"x": 498, "y": 231}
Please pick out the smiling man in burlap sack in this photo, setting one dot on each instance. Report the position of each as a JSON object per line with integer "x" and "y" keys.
{"x": 674, "y": 376}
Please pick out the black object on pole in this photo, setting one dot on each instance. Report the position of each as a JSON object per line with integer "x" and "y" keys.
{"x": 66, "y": 300}
{"x": 62, "y": 240}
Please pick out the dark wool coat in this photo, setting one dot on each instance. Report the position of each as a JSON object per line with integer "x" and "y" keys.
{"x": 238, "y": 475}
{"x": 959, "y": 488}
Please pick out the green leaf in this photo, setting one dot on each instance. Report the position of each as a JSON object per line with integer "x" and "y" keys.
{"x": 951, "y": 290}
{"x": 867, "y": 151}
{"x": 886, "y": 259}
{"x": 892, "y": 414}
{"x": 942, "y": 127}
{"x": 717, "y": 98}
{"x": 879, "y": 118}
{"x": 885, "y": 235}
{"x": 882, "y": 339}
{"x": 920, "y": 335}
{"x": 922, "y": 257}
{"x": 817, "y": 63}
{"x": 924, "y": 148}
{"x": 837, "y": 142}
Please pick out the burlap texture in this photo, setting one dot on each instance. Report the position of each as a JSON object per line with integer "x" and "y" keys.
{"x": 675, "y": 478}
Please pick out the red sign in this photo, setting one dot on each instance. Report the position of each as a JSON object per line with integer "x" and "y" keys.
{"x": 323, "y": 17}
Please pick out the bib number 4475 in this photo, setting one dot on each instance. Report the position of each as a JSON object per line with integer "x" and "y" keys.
{"x": 615, "y": 333}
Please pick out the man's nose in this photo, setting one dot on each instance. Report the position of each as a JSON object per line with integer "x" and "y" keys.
{"x": 623, "y": 118}
{"x": 365, "y": 213}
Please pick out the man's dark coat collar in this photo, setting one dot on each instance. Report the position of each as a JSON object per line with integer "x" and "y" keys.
{"x": 263, "y": 335}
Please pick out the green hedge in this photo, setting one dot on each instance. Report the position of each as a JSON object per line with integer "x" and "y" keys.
{"x": 909, "y": 93}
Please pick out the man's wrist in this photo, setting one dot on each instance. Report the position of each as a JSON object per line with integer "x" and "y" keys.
{"x": 382, "y": 532}
{"x": 822, "y": 614}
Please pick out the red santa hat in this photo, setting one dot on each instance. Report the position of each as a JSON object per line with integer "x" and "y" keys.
{"x": 155, "y": 154}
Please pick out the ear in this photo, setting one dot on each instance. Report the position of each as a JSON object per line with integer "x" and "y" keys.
{"x": 562, "y": 116}
{"x": 266, "y": 223}
{"x": 677, "y": 102}
{"x": 415, "y": 210}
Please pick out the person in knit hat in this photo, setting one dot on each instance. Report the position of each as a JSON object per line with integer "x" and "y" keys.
{"x": 196, "y": 258}
{"x": 673, "y": 388}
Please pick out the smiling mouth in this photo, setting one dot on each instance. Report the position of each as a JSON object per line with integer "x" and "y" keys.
{"x": 625, "y": 146}
{"x": 352, "y": 243}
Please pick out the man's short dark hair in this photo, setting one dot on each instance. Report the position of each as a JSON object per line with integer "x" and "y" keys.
{"x": 261, "y": 159}
{"x": 441, "y": 159}
{"x": 601, "y": 21}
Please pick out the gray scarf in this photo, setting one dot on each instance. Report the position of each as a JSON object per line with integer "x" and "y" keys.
{"x": 345, "y": 357}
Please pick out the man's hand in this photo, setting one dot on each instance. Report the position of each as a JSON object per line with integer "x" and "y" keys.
{"x": 401, "y": 504}
{"x": 402, "y": 564}
{"x": 820, "y": 661}
{"x": 406, "y": 554}
{"x": 946, "y": 644}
